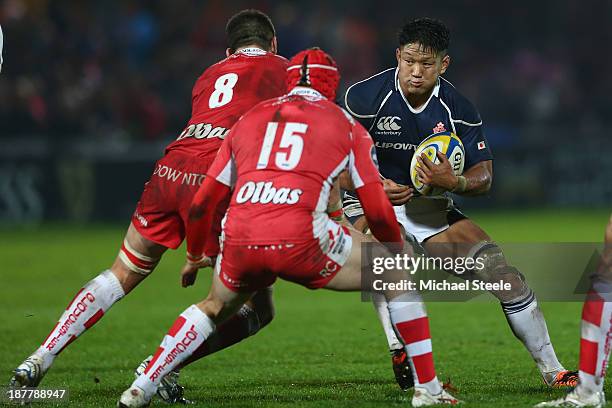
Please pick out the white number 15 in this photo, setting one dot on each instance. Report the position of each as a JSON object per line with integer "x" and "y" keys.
{"x": 291, "y": 138}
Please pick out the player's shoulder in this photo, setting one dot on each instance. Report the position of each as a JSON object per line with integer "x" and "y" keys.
{"x": 269, "y": 60}
{"x": 363, "y": 98}
{"x": 461, "y": 107}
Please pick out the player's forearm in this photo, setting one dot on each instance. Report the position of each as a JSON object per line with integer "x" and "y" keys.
{"x": 380, "y": 215}
{"x": 345, "y": 181}
{"x": 478, "y": 179}
{"x": 205, "y": 214}
{"x": 334, "y": 205}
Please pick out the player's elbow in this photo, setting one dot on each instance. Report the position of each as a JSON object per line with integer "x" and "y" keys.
{"x": 487, "y": 183}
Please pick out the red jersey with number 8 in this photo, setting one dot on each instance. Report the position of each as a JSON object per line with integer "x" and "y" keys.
{"x": 223, "y": 93}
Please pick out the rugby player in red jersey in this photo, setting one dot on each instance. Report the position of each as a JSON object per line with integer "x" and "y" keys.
{"x": 277, "y": 167}
{"x": 595, "y": 337}
{"x": 251, "y": 73}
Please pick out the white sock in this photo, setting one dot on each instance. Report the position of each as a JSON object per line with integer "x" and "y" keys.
{"x": 380, "y": 304}
{"x": 86, "y": 308}
{"x": 187, "y": 333}
{"x": 412, "y": 324}
{"x": 528, "y": 325}
{"x": 595, "y": 341}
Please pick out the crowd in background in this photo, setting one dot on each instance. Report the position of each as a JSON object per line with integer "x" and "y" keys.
{"x": 111, "y": 68}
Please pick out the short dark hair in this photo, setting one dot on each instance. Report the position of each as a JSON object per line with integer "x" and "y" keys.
{"x": 432, "y": 34}
{"x": 249, "y": 27}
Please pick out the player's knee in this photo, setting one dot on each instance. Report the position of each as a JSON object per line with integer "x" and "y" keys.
{"x": 213, "y": 308}
{"x": 518, "y": 287}
{"x": 127, "y": 279}
{"x": 496, "y": 270}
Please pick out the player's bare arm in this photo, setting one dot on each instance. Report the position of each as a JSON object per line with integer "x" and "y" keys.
{"x": 345, "y": 181}
{"x": 398, "y": 194}
{"x": 475, "y": 181}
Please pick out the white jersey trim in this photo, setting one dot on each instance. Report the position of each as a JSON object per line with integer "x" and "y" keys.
{"x": 435, "y": 92}
{"x": 459, "y": 120}
{"x": 447, "y": 81}
{"x": 380, "y": 108}
{"x": 319, "y": 215}
{"x": 227, "y": 176}
{"x": 357, "y": 115}
{"x": 450, "y": 116}
{"x": 467, "y": 123}
{"x": 355, "y": 176}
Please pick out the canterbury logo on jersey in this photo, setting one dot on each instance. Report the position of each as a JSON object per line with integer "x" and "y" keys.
{"x": 388, "y": 123}
{"x": 266, "y": 193}
{"x": 203, "y": 131}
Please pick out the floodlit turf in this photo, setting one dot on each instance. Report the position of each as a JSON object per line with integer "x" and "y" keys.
{"x": 322, "y": 349}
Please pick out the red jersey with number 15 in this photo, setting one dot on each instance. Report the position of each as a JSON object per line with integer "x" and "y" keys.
{"x": 281, "y": 158}
{"x": 226, "y": 91}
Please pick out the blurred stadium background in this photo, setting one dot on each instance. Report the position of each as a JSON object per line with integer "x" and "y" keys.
{"x": 91, "y": 92}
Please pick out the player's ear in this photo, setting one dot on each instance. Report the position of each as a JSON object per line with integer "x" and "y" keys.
{"x": 398, "y": 54}
{"x": 274, "y": 45}
{"x": 228, "y": 52}
{"x": 445, "y": 63}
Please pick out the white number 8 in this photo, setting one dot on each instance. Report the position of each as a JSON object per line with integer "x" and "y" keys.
{"x": 224, "y": 90}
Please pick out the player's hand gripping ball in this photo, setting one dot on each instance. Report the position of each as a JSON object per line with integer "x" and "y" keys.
{"x": 446, "y": 143}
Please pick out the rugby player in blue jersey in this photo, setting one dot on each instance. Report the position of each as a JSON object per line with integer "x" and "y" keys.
{"x": 400, "y": 107}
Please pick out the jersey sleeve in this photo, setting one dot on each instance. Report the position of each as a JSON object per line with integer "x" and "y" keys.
{"x": 363, "y": 99}
{"x": 223, "y": 168}
{"x": 363, "y": 164}
{"x": 470, "y": 130}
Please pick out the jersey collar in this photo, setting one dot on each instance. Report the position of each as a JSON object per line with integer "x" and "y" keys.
{"x": 398, "y": 88}
{"x": 252, "y": 51}
{"x": 307, "y": 92}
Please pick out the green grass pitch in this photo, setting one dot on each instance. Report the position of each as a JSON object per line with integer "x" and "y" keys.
{"x": 322, "y": 349}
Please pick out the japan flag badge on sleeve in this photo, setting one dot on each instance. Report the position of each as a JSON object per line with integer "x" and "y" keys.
{"x": 481, "y": 145}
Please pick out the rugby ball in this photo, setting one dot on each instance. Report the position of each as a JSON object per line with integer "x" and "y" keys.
{"x": 445, "y": 142}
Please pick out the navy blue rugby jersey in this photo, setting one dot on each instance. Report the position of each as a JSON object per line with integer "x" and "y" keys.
{"x": 397, "y": 129}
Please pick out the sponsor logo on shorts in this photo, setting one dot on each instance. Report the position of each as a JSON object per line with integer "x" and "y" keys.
{"x": 266, "y": 193}
{"x": 80, "y": 307}
{"x": 203, "y": 131}
{"x": 174, "y": 175}
{"x": 330, "y": 268}
{"x": 142, "y": 220}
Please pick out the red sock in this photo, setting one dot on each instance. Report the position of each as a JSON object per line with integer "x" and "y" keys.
{"x": 412, "y": 324}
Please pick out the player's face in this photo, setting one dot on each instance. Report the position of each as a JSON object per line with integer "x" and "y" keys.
{"x": 419, "y": 69}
